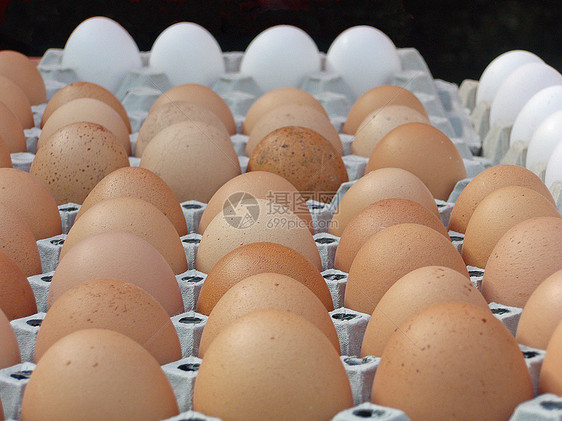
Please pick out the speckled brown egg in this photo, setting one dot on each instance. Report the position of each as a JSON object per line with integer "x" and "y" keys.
{"x": 5, "y": 157}
{"x": 18, "y": 68}
{"x": 15, "y": 99}
{"x": 9, "y": 351}
{"x": 550, "y": 380}
{"x": 11, "y": 130}
{"x": 16, "y": 296}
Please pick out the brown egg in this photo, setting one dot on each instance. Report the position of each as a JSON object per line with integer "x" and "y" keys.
{"x": 23, "y": 72}
{"x": 28, "y": 196}
{"x": 140, "y": 183}
{"x": 376, "y": 217}
{"x": 256, "y": 258}
{"x": 495, "y": 215}
{"x": 294, "y": 115}
{"x": 379, "y": 97}
{"x": 271, "y": 362}
{"x": 193, "y": 158}
{"x": 262, "y": 185}
{"x": 176, "y": 112}
{"x": 523, "y": 257}
{"x": 303, "y": 157}
{"x": 15, "y": 99}
{"x": 135, "y": 216}
{"x": 9, "y": 351}
{"x": 5, "y": 157}
{"x": 83, "y": 89}
{"x": 118, "y": 255}
{"x": 267, "y": 291}
{"x": 275, "y": 98}
{"x": 200, "y": 95}
{"x": 100, "y": 374}
{"x": 392, "y": 253}
{"x": 385, "y": 183}
{"x": 542, "y": 313}
{"x": 90, "y": 110}
{"x": 412, "y": 293}
{"x": 75, "y": 158}
{"x": 11, "y": 130}
{"x": 433, "y": 368}
{"x": 550, "y": 380}
{"x": 16, "y": 296}
{"x": 486, "y": 182}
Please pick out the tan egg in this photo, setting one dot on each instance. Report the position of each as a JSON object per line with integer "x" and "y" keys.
{"x": 29, "y": 197}
{"x": 375, "y": 218}
{"x": 377, "y": 98}
{"x": 294, "y": 115}
{"x": 15, "y": 99}
{"x": 392, "y": 253}
{"x": 172, "y": 113}
{"x": 412, "y": 293}
{"x": 118, "y": 255}
{"x": 193, "y": 158}
{"x": 135, "y": 216}
{"x": 255, "y": 258}
{"x": 262, "y": 185}
{"x": 385, "y": 183}
{"x": 379, "y": 123}
{"x": 23, "y": 72}
{"x": 83, "y": 89}
{"x": 11, "y": 130}
{"x": 523, "y": 257}
{"x": 5, "y": 157}
{"x": 275, "y": 98}
{"x": 200, "y": 95}
{"x": 271, "y": 362}
{"x": 303, "y": 157}
{"x": 16, "y": 296}
{"x": 99, "y": 373}
{"x": 254, "y": 220}
{"x": 140, "y": 183}
{"x": 421, "y": 148}
{"x": 9, "y": 351}
{"x": 550, "y": 380}
{"x": 86, "y": 110}
{"x": 267, "y": 291}
{"x": 434, "y": 367}
{"x": 486, "y": 182}
{"x": 542, "y": 313}
{"x": 495, "y": 215}
{"x": 75, "y": 158}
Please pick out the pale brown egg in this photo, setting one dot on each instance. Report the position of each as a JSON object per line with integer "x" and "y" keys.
{"x": 392, "y": 253}
{"x": 29, "y": 197}
{"x": 376, "y": 217}
{"x": 15, "y": 99}
{"x": 486, "y": 182}
{"x": 100, "y": 374}
{"x": 193, "y": 158}
{"x": 275, "y": 363}
{"x": 255, "y": 258}
{"x": 10, "y": 350}
{"x": 5, "y": 157}
{"x": 523, "y": 257}
{"x": 118, "y": 255}
{"x": 23, "y": 72}
{"x": 385, "y": 183}
{"x": 550, "y": 380}
{"x": 294, "y": 115}
{"x": 140, "y": 183}
{"x": 452, "y": 361}
{"x": 135, "y": 216}
{"x": 16, "y": 296}
{"x": 495, "y": 215}
{"x": 11, "y": 130}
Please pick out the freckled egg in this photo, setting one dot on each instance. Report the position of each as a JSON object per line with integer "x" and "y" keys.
{"x": 20, "y": 70}
{"x": 16, "y": 296}
{"x": 11, "y": 130}
{"x": 550, "y": 380}
{"x": 10, "y": 351}
{"x": 15, "y": 99}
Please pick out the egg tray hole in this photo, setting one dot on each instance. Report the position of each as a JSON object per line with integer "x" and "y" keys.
{"x": 334, "y": 276}
{"x": 475, "y": 273}
{"x": 325, "y": 240}
{"x": 191, "y": 240}
{"x": 34, "y": 322}
{"x": 368, "y": 413}
{"x": 457, "y": 238}
{"x": 344, "y": 317}
{"x": 500, "y": 311}
{"x": 189, "y": 320}
{"x": 192, "y": 278}
{"x": 189, "y": 367}
{"x": 57, "y": 242}
{"x": 47, "y": 278}
{"x": 356, "y": 361}
{"x": 22, "y": 375}
{"x": 68, "y": 209}
{"x": 191, "y": 206}
{"x": 530, "y": 354}
{"x": 551, "y": 405}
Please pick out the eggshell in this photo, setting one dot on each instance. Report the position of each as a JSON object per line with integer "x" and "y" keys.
{"x": 135, "y": 216}
{"x": 544, "y": 141}
{"x": 495, "y": 215}
{"x": 98, "y": 374}
{"x": 376, "y": 217}
{"x": 550, "y": 380}
{"x": 28, "y": 196}
{"x": 390, "y": 254}
{"x": 554, "y": 166}
{"x": 255, "y": 258}
{"x": 9, "y": 351}
{"x": 18, "y": 68}
{"x": 267, "y": 291}
{"x": 11, "y": 130}
{"x": 16, "y": 296}
{"x": 118, "y": 255}
{"x": 434, "y": 367}
{"x": 5, "y": 157}
{"x": 15, "y": 99}
{"x": 275, "y": 363}
{"x": 384, "y": 183}
{"x": 486, "y": 182}
{"x": 305, "y": 158}
{"x": 523, "y": 257}
{"x": 140, "y": 183}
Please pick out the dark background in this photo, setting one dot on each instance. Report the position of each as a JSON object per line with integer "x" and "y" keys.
{"x": 456, "y": 38}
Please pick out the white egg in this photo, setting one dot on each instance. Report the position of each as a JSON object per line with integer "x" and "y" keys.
{"x": 499, "y": 69}
{"x": 187, "y": 53}
{"x": 519, "y": 87}
{"x": 554, "y": 166}
{"x": 364, "y": 57}
{"x": 543, "y": 142}
{"x": 101, "y": 51}
{"x": 280, "y": 57}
